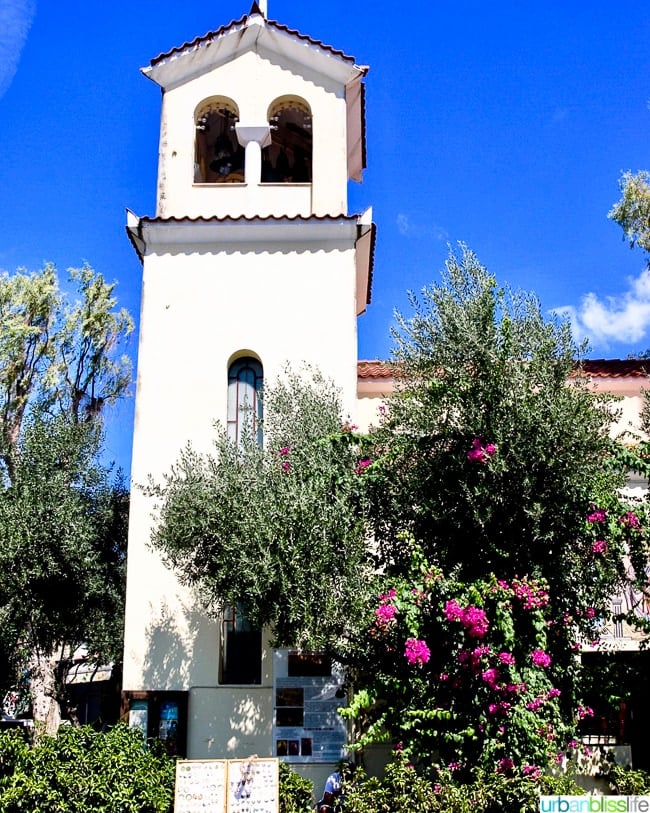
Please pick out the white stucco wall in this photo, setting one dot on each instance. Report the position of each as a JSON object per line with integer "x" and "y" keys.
{"x": 253, "y": 83}
{"x": 198, "y": 310}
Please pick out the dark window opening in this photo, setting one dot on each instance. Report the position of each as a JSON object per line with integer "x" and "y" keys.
{"x": 241, "y": 649}
{"x": 219, "y": 157}
{"x": 288, "y": 159}
{"x": 290, "y": 707}
{"x": 308, "y": 664}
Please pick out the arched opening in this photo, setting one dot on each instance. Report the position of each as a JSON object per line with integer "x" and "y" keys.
{"x": 288, "y": 159}
{"x": 219, "y": 158}
{"x": 245, "y": 379}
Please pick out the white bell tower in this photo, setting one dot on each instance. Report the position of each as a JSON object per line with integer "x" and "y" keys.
{"x": 251, "y": 261}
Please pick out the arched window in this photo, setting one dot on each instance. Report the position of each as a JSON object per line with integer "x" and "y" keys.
{"x": 219, "y": 158}
{"x": 245, "y": 378}
{"x": 240, "y": 646}
{"x": 288, "y": 159}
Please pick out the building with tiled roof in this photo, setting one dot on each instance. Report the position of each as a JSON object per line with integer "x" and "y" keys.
{"x": 251, "y": 260}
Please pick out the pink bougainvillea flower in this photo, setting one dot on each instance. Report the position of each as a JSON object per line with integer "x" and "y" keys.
{"x": 554, "y": 693}
{"x": 532, "y": 770}
{"x": 285, "y": 450}
{"x": 631, "y": 520}
{"x": 590, "y": 612}
{"x": 388, "y": 596}
{"x": 453, "y": 611}
{"x": 585, "y": 711}
{"x": 599, "y": 546}
{"x": 505, "y": 765}
{"x": 475, "y": 621}
{"x": 286, "y": 466}
{"x": 506, "y": 658}
{"x": 416, "y": 651}
{"x": 597, "y": 515}
{"x": 540, "y": 658}
{"x": 491, "y": 676}
{"x": 481, "y": 452}
{"x": 385, "y": 614}
{"x": 530, "y": 593}
{"x": 362, "y": 465}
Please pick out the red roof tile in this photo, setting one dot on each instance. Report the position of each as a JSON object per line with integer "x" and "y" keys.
{"x": 594, "y": 368}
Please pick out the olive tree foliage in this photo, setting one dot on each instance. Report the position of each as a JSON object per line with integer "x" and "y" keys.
{"x": 63, "y": 524}
{"x": 498, "y": 529}
{"x": 477, "y": 365}
{"x": 494, "y": 453}
{"x": 62, "y": 513}
{"x": 280, "y": 529}
{"x": 632, "y": 211}
{"x": 56, "y": 355}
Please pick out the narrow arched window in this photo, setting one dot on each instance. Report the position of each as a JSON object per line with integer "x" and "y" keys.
{"x": 288, "y": 158}
{"x": 240, "y": 645}
{"x": 218, "y": 156}
{"x": 245, "y": 378}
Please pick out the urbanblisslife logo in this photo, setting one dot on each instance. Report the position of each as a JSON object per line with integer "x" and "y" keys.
{"x": 594, "y": 804}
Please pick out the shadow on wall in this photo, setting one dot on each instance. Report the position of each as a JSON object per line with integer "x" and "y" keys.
{"x": 232, "y": 722}
{"x": 170, "y": 647}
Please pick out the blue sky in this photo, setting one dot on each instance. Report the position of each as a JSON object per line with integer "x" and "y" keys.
{"x": 505, "y": 125}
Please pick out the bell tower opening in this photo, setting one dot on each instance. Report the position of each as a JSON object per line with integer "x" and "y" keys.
{"x": 218, "y": 158}
{"x": 288, "y": 158}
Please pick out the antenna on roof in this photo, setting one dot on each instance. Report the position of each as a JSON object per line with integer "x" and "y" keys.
{"x": 259, "y": 7}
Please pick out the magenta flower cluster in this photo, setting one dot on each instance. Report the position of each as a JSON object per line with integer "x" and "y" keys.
{"x": 481, "y": 452}
{"x": 472, "y": 618}
{"x": 530, "y": 594}
{"x": 362, "y": 465}
{"x": 585, "y": 711}
{"x": 599, "y": 546}
{"x": 416, "y": 651}
{"x": 505, "y": 765}
{"x": 386, "y": 612}
{"x": 540, "y": 658}
{"x": 597, "y": 515}
{"x": 630, "y": 520}
{"x": 284, "y": 453}
{"x": 538, "y": 702}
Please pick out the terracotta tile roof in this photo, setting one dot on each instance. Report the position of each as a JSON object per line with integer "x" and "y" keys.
{"x": 239, "y": 218}
{"x": 373, "y": 369}
{"x": 594, "y": 368}
{"x": 235, "y": 24}
{"x": 616, "y": 368}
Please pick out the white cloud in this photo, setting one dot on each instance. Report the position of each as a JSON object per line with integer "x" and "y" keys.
{"x": 15, "y": 21}
{"x": 622, "y": 318}
{"x": 408, "y": 229}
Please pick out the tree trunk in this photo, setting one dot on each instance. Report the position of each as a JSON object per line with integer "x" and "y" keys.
{"x": 43, "y": 686}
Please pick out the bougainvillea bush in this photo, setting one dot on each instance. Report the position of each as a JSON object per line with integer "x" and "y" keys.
{"x": 462, "y": 677}
{"x": 456, "y": 557}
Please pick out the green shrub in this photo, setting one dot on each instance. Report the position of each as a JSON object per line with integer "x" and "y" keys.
{"x": 295, "y": 792}
{"x": 83, "y": 771}
{"x": 626, "y": 782}
{"x": 400, "y": 790}
{"x": 403, "y": 790}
